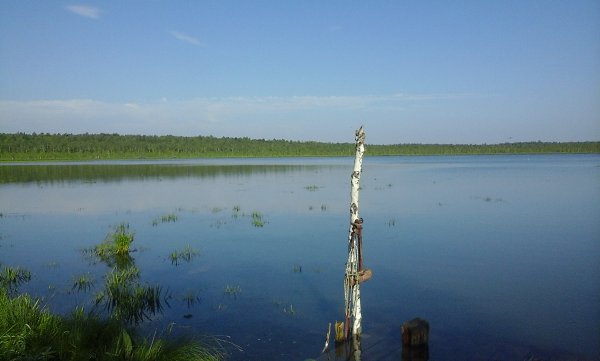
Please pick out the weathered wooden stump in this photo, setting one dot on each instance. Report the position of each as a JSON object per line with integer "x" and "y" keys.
{"x": 415, "y": 333}
{"x": 415, "y": 340}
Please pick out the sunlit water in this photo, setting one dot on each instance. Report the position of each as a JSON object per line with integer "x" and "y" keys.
{"x": 501, "y": 254}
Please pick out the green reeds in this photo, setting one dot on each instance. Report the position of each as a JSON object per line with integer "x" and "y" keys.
{"x": 127, "y": 300}
{"x": 28, "y": 331}
{"x": 116, "y": 248}
{"x": 11, "y": 278}
{"x": 257, "y": 219}
{"x": 185, "y": 255}
{"x": 190, "y": 298}
{"x": 167, "y": 218}
{"x": 117, "y": 243}
{"x": 83, "y": 282}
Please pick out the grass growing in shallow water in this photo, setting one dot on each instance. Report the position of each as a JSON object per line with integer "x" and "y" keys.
{"x": 13, "y": 277}
{"x": 185, "y": 255}
{"x": 257, "y": 219}
{"x": 116, "y": 248}
{"x": 28, "y": 331}
{"x": 168, "y": 218}
{"x": 83, "y": 282}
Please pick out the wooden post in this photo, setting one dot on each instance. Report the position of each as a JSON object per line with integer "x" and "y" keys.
{"x": 354, "y": 267}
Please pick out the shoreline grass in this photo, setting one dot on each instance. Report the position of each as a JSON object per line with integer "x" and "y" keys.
{"x": 29, "y": 331}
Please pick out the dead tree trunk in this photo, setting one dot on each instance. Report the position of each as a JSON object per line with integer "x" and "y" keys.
{"x": 355, "y": 273}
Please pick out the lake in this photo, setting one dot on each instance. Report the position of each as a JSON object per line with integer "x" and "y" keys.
{"x": 501, "y": 254}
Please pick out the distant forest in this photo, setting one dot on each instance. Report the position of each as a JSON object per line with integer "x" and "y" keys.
{"x": 36, "y": 147}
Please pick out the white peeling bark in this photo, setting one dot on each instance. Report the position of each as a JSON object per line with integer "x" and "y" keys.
{"x": 354, "y": 264}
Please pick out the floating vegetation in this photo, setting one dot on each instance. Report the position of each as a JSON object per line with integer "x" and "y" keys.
{"x": 167, "y": 218}
{"x": 186, "y": 255}
{"x": 257, "y": 219}
{"x": 216, "y": 210}
{"x": 11, "y": 278}
{"x": 312, "y": 188}
{"x": 83, "y": 282}
{"x": 232, "y": 290}
{"x": 297, "y": 268}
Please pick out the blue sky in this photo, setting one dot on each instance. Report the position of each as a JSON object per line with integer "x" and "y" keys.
{"x": 409, "y": 71}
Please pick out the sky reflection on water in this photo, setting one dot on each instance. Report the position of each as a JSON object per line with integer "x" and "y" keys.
{"x": 499, "y": 253}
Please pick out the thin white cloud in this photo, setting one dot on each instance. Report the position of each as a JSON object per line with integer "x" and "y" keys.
{"x": 185, "y": 38}
{"x": 85, "y": 11}
{"x": 294, "y": 117}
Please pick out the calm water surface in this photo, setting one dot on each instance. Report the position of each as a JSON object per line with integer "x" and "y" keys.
{"x": 500, "y": 253}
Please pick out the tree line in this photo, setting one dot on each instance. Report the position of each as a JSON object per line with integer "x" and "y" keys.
{"x": 45, "y": 146}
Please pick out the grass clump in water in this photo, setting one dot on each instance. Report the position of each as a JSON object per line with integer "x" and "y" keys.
{"x": 29, "y": 331}
{"x": 11, "y": 278}
{"x": 257, "y": 219}
{"x": 83, "y": 282}
{"x": 167, "y": 218}
{"x": 117, "y": 243}
{"x": 127, "y": 300}
{"x": 185, "y": 255}
{"x": 232, "y": 290}
{"x": 116, "y": 249}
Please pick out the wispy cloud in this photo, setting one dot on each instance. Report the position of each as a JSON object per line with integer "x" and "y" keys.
{"x": 85, "y": 11}
{"x": 305, "y": 117}
{"x": 185, "y": 38}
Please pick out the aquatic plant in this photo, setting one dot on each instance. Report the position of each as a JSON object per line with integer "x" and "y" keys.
{"x": 190, "y": 298}
{"x": 167, "y": 218}
{"x": 83, "y": 282}
{"x": 235, "y": 211}
{"x": 184, "y": 255}
{"x": 116, "y": 248}
{"x": 232, "y": 290}
{"x": 116, "y": 243}
{"x": 127, "y": 300}
{"x": 257, "y": 219}
{"x": 11, "y": 278}
{"x": 297, "y": 268}
{"x": 29, "y": 331}
{"x": 289, "y": 310}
